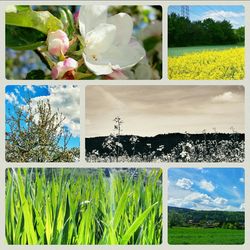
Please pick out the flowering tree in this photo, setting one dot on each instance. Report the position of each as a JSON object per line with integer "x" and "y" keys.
{"x": 90, "y": 42}
{"x": 36, "y": 134}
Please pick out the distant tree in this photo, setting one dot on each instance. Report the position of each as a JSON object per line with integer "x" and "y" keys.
{"x": 175, "y": 219}
{"x": 183, "y": 32}
{"x": 240, "y": 33}
{"x": 34, "y": 133}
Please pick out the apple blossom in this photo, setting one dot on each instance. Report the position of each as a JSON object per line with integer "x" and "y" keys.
{"x": 58, "y": 43}
{"x": 108, "y": 41}
{"x": 64, "y": 69}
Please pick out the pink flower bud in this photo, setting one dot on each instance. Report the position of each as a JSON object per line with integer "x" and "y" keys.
{"x": 64, "y": 69}
{"x": 76, "y": 16}
{"x": 58, "y": 43}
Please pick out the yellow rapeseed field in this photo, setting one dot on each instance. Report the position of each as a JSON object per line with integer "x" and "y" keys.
{"x": 227, "y": 64}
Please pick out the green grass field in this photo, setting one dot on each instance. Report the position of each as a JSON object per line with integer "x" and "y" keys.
{"x": 83, "y": 207}
{"x": 179, "y": 51}
{"x": 205, "y": 236}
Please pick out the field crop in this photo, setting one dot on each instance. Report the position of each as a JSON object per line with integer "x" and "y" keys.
{"x": 205, "y": 236}
{"x": 83, "y": 206}
{"x": 227, "y": 64}
{"x": 189, "y": 151}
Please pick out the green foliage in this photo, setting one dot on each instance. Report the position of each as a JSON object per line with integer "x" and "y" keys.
{"x": 205, "y": 236}
{"x": 27, "y": 29}
{"x": 42, "y": 21}
{"x": 183, "y": 32}
{"x": 67, "y": 19}
{"x": 20, "y": 38}
{"x": 83, "y": 206}
{"x": 35, "y": 75}
{"x": 197, "y": 218}
{"x": 240, "y": 33}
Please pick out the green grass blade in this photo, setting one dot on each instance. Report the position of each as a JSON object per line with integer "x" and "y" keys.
{"x": 137, "y": 223}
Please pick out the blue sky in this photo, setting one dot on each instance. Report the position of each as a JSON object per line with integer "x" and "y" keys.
{"x": 207, "y": 188}
{"x": 234, "y": 14}
{"x": 62, "y": 98}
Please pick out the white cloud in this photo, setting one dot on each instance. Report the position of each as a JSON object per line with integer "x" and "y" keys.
{"x": 66, "y": 99}
{"x": 235, "y": 18}
{"x": 200, "y": 201}
{"x": 11, "y": 98}
{"x": 220, "y": 15}
{"x": 242, "y": 206}
{"x": 207, "y": 185}
{"x": 220, "y": 201}
{"x": 184, "y": 183}
{"x": 17, "y": 91}
{"x": 242, "y": 180}
{"x": 226, "y": 97}
{"x": 199, "y": 197}
{"x": 29, "y": 88}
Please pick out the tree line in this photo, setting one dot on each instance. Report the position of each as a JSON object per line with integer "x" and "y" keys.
{"x": 181, "y": 217}
{"x": 184, "y": 32}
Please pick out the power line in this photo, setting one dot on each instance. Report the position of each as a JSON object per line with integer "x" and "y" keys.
{"x": 185, "y": 11}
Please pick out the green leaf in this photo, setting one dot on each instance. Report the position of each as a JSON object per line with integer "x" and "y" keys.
{"x": 120, "y": 208}
{"x": 37, "y": 74}
{"x": 27, "y": 213}
{"x": 42, "y": 21}
{"x": 136, "y": 224}
{"x": 19, "y": 38}
{"x": 23, "y": 7}
{"x": 67, "y": 20}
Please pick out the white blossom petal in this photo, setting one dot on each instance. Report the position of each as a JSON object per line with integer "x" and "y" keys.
{"x": 100, "y": 39}
{"x": 91, "y": 16}
{"x": 125, "y": 56}
{"x": 98, "y": 68}
{"x": 124, "y": 27}
{"x": 116, "y": 58}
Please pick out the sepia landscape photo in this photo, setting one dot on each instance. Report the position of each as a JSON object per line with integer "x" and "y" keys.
{"x": 164, "y": 123}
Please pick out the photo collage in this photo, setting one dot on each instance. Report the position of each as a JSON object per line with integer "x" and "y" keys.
{"x": 124, "y": 123}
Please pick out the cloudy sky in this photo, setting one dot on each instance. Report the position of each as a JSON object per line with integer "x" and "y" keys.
{"x": 62, "y": 98}
{"x": 152, "y": 110}
{"x": 234, "y": 14}
{"x": 207, "y": 188}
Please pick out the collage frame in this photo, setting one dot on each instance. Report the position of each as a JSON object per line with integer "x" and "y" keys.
{"x": 164, "y": 166}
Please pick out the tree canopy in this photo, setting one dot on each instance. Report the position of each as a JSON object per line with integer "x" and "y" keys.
{"x": 184, "y": 32}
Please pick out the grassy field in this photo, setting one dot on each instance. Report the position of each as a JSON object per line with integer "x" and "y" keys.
{"x": 83, "y": 207}
{"x": 179, "y": 51}
{"x": 205, "y": 236}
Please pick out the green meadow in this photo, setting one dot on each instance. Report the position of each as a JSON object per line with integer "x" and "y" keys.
{"x": 210, "y": 236}
{"x": 179, "y": 51}
{"x": 83, "y": 206}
